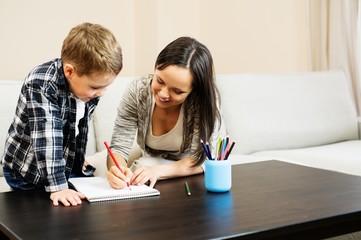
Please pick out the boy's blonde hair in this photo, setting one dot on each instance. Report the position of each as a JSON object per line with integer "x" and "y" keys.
{"x": 91, "y": 48}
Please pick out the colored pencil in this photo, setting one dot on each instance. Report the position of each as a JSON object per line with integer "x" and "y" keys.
{"x": 230, "y": 150}
{"x": 205, "y": 150}
{"x": 187, "y": 189}
{"x": 114, "y": 160}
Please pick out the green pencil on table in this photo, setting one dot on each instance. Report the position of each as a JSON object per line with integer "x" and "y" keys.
{"x": 187, "y": 188}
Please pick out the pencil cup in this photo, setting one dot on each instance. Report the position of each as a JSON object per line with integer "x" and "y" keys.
{"x": 218, "y": 175}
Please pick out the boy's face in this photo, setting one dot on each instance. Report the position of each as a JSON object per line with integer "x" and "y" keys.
{"x": 87, "y": 87}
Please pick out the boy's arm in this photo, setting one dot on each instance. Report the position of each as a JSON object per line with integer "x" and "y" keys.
{"x": 46, "y": 127}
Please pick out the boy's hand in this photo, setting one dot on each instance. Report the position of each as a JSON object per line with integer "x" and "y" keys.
{"x": 68, "y": 197}
{"x": 118, "y": 178}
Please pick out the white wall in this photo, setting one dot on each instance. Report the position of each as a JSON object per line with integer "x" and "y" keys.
{"x": 243, "y": 35}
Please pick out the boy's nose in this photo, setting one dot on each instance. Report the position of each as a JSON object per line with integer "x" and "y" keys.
{"x": 100, "y": 93}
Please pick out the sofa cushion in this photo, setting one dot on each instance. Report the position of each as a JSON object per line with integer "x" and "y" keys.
{"x": 341, "y": 157}
{"x": 281, "y": 111}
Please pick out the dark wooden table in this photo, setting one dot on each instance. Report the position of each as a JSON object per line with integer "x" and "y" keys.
{"x": 268, "y": 200}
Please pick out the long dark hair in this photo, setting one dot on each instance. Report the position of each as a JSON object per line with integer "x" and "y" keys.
{"x": 188, "y": 53}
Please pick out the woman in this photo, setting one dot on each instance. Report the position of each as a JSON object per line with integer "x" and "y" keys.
{"x": 170, "y": 112}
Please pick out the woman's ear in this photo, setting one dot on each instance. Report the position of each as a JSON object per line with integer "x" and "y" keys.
{"x": 68, "y": 70}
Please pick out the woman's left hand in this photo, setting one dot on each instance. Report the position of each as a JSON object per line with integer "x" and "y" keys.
{"x": 144, "y": 174}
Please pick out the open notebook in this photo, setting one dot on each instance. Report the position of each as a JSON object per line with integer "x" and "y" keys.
{"x": 97, "y": 189}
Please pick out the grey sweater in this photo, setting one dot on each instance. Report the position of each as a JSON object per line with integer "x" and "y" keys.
{"x": 134, "y": 113}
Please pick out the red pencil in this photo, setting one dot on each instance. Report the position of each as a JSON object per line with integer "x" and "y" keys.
{"x": 114, "y": 160}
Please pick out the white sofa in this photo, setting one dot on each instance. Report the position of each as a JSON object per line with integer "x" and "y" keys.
{"x": 306, "y": 118}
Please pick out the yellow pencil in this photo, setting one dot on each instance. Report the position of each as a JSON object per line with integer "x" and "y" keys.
{"x": 218, "y": 147}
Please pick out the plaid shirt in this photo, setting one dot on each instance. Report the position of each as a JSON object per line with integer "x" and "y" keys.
{"x": 41, "y": 143}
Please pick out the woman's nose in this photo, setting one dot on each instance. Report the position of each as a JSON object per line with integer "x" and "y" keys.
{"x": 164, "y": 93}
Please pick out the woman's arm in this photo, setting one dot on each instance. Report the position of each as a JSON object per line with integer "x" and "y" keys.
{"x": 180, "y": 168}
{"x": 122, "y": 139}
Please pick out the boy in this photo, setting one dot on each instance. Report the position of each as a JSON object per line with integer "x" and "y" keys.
{"x": 47, "y": 138}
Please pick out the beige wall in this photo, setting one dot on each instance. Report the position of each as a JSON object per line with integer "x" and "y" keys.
{"x": 243, "y": 35}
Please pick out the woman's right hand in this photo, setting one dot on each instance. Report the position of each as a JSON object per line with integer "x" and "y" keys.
{"x": 118, "y": 178}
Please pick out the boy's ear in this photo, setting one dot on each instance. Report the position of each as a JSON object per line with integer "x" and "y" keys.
{"x": 68, "y": 70}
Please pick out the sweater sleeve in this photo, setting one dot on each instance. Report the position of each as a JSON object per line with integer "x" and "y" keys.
{"x": 126, "y": 122}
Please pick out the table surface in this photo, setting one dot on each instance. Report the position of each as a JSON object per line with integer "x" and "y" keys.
{"x": 268, "y": 200}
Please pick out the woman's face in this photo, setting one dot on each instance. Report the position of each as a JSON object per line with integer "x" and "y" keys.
{"x": 171, "y": 86}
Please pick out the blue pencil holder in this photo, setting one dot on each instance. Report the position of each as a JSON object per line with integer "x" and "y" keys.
{"x": 218, "y": 175}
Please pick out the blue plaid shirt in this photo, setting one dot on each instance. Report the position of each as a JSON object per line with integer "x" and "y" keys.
{"x": 41, "y": 143}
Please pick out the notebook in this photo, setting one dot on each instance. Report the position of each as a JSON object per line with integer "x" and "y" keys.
{"x": 97, "y": 189}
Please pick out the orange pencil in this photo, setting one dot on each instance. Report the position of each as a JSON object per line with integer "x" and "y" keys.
{"x": 114, "y": 160}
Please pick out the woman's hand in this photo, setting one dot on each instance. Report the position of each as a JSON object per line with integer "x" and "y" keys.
{"x": 68, "y": 197}
{"x": 179, "y": 168}
{"x": 144, "y": 174}
{"x": 118, "y": 178}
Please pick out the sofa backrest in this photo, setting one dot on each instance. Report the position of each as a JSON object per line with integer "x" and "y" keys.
{"x": 106, "y": 112}
{"x": 283, "y": 111}
{"x": 9, "y": 92}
